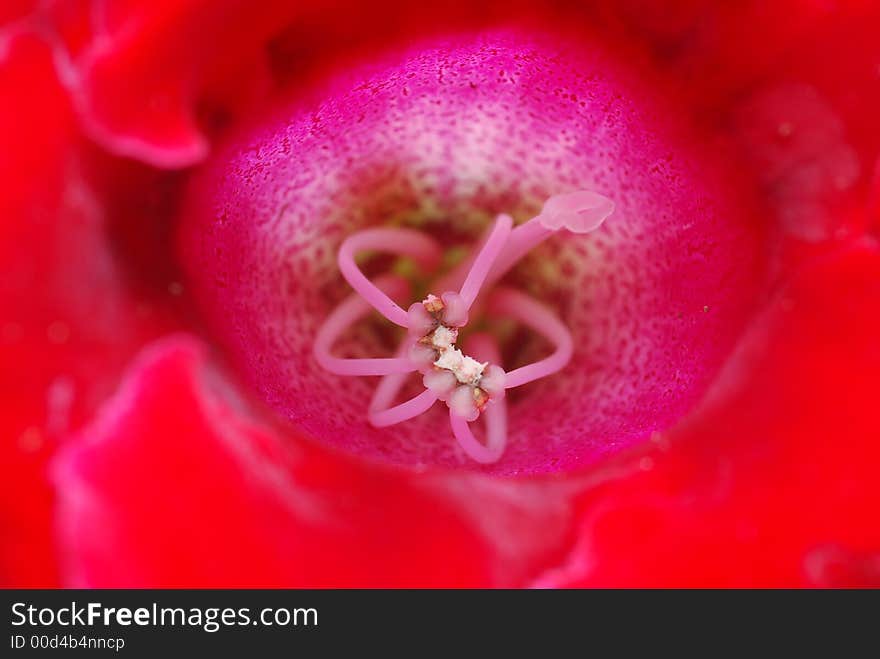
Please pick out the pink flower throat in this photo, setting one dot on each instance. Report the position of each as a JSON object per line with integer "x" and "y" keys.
{"x": 469, "y": 385}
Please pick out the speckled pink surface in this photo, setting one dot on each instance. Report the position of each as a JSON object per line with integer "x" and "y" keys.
{"x": 442, "y": 138}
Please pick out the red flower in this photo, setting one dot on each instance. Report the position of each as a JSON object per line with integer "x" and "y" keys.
{"x": 175, "y": 180}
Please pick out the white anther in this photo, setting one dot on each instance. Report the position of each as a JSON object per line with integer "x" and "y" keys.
{"x": 467, "y": 370}
{"x": 444, "y": 337}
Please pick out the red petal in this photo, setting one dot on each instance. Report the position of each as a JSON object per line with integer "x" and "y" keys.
{"x": 144, "y": 75}
{"x": 49, "y": 241}
{"x": 172, "y": 486}
{"x": 775, "y": 485}
{"x": 33, "y": 153}
{"x": 69, "y": 320}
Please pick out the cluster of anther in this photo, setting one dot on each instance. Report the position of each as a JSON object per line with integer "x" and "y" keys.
{"x": 463, "y": 383}
{"x": 469, "y": 387}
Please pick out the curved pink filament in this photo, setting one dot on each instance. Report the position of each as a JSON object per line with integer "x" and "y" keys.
{"x": 502, "y": 247}
{"x": 389, "y": 385}
{"x": 485, "y": 259}
{"x": 496, "y": 430}
{"x": 411, "y": 408}
{"x": 484, "y": 348}
{"x": 344, "y": 316}
{"x": 421, "y": 247}
{"x": 521, "y": 307}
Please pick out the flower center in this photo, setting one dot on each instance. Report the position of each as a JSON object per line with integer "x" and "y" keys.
{"x": 403, "y": 169}
{"x": 465, "y": 384}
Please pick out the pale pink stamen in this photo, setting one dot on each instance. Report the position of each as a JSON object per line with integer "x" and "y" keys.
{"x": 468, "y": 387}
{"x": 400, "y": 241}
{"x": 512, "y": 303}
{"x": 496, "y": 431}
{"x": 411, "y": 408}
{"x": 462, "y": 403}
{"x": 456, "y": 312}
{"x": 389, "y": 385}
{"x": 493, "y": 381}
{"x": 421, "y": 356}
{"x": 381, "y": 411}
{"x": 420, "y": 322}
{"x": 344, "y": 316}
{"x": 484, "y": 347}
{"x": 440, "y": 382}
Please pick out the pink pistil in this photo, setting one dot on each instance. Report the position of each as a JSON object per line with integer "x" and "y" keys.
{"x": 578, "y": 212}
{"x": 468, "y": 387}
{"x": 485, "y": 259}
